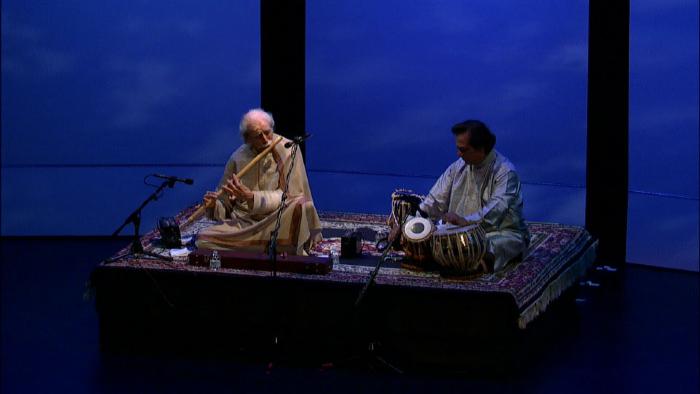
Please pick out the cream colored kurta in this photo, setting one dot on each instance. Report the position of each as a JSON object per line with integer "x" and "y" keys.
{"x": 488, "y": 193}
{"x": 249, "y": 228}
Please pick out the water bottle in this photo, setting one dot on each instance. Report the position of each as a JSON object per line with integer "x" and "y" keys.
{"x": 215, "y": 261}
{"x": 335, "y": 257}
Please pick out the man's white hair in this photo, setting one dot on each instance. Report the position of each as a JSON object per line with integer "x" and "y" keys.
{"x": 255, "y": 114}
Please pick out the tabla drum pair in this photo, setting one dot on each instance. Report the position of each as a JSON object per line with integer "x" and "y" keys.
{"x": 455, "y": 250}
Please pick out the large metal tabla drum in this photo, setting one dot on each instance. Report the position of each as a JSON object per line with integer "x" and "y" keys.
{"x": 459, "y": 250}
{"x": 417, "y": 242}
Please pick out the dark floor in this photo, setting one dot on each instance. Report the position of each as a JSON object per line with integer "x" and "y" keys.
{"x": 638, "y": 334}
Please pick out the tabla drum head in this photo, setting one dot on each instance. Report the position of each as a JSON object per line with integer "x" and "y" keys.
{"x": 417, "y": 229}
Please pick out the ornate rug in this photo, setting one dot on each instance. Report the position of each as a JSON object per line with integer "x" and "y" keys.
{"x": 558, "y": 255}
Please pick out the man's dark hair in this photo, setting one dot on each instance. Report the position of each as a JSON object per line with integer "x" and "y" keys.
{"x": 479, "y": 134}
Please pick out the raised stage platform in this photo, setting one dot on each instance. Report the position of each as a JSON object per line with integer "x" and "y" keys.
{"x": 421, "y": 316}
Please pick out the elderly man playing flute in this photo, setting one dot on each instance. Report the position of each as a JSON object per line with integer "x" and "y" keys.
{"x": 247, "y": 205}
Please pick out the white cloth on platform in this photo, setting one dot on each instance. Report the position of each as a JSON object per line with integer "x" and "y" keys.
{"x": 488, "y": 193}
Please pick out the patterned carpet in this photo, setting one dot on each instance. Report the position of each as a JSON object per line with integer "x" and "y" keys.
{"x": 557, "y": 257}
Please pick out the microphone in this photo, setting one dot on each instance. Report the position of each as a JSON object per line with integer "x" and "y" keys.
{"x": 186, "y": 181}
{"x": 297, "y": 140}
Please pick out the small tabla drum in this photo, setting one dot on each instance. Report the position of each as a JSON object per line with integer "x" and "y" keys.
{"x": 459, "y": 250}
{"x": 416, "y": 241}
{"x": 404, "y": 203}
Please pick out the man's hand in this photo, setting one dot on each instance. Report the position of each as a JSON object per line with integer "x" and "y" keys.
{"x": 209, "y": 199}
{"x": 236, "y": 189}
{"x": 453, "y": 218}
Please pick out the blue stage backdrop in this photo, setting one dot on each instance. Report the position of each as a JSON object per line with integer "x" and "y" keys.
{"x": 663, "y": 199}
{"x": 387, "y": 80}
{"x": 97, "y": 94}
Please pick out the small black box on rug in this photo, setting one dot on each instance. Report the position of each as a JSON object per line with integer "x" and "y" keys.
{"x": 169, "y": 232}
{"x": 351, "y": 245}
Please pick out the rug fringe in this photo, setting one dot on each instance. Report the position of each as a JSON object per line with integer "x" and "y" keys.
{"x": 557, "y": 287}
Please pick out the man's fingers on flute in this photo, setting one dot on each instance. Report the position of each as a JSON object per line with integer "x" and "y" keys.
{"x": 232, "y": 184}
{"x": 235, "y": 181}
{"x": 228, "y": 188}
{"x": 209, "y": 198}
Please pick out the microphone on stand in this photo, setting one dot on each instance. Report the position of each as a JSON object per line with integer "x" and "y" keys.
{"x": 297, "y": 140}
{"x": 187, "y": 181}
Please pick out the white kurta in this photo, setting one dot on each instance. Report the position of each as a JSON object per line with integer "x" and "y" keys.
{"x": 488, "y": 193}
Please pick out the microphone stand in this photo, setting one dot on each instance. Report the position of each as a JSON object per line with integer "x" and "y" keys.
{"x": 273, "y": 253}
{"x": 390, "y": 244}
{"x": 374, "y": 273}
{"x": 278, "y": 223}
{"x": 372, "y": 352}
{"x": 136, "y": 249}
